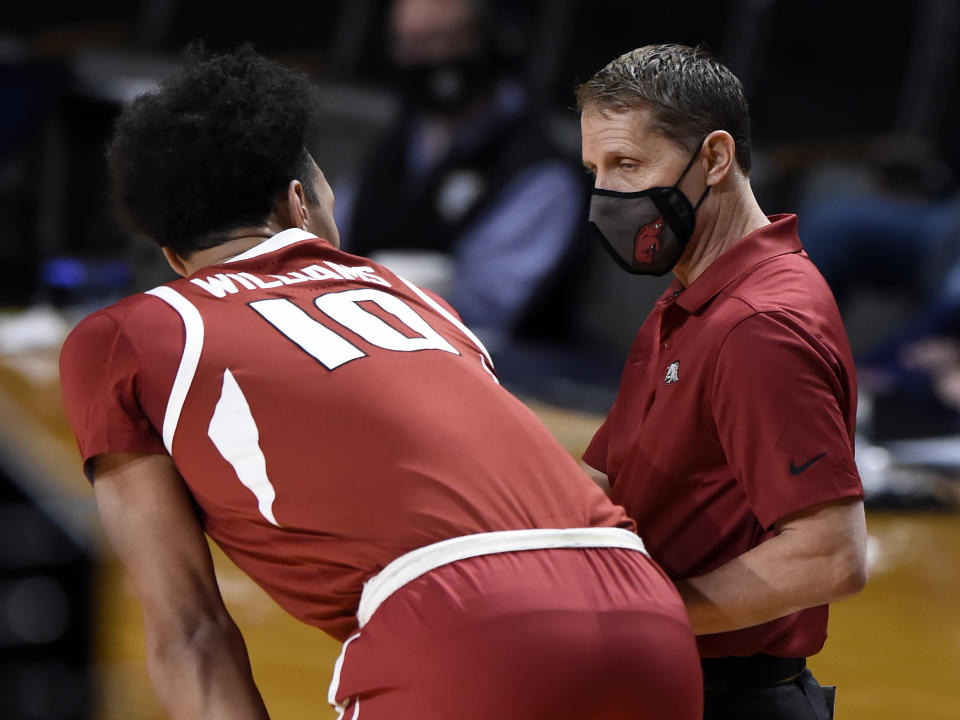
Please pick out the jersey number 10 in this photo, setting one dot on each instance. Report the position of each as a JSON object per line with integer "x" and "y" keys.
{"x": 233, "y": 429}
{"x": 332, "y": 349}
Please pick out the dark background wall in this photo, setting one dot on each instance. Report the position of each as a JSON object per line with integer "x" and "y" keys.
{"x": 825, "y": 81}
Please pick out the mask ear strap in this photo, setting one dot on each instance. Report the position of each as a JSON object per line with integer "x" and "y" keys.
{"x": 702, "y": 198}
{"x": 690, "y": 165}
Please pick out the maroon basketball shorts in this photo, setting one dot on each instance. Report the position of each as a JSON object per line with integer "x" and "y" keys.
{"x": 591, "y": 629}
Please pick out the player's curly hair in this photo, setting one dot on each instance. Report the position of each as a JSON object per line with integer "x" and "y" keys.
{"x": 689, "y": 94}
{"x": 209, "y": 150}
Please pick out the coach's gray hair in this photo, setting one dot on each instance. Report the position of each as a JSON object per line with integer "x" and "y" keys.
{"x": 688, "y": 92}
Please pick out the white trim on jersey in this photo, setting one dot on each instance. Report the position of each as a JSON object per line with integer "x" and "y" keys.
{"x": 412, "y": 565}
{"x": 280, "y": 240}
{"x": 335, "y": 679}
{"x": 236, "y": 436}
{"x": 356, "y": 710}
{"x": 457, "y": 323}
{"x": 192, "y": 346}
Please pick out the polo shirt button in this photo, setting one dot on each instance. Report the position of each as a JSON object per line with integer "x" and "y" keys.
{"x": 666, "y": 344}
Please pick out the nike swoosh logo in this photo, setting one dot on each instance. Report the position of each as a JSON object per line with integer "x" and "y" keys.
{"x": 797, "y": 469}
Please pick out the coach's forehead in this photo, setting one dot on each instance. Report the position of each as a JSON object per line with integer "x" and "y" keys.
{"x": 627, "y": 131}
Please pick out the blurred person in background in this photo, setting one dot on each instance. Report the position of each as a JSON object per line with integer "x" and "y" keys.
{"x": 731, "y": 440}
{"x": 342, "y": 436}
{"x": 892, "y": 224}
{"x": 466, "y": 189}
{"x": 913, "y": 373}
{"x": 883, "y": 222}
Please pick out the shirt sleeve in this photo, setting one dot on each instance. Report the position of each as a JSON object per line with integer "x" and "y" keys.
{"x": 98, "y": 376}
{"x": 596, "y": 453}
{"x": 780, "y": 407}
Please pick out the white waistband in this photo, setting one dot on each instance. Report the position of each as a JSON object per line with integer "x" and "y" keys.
{"x": 415, "y": 563}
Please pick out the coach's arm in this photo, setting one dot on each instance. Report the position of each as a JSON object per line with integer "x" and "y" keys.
{"x": 196, "y": 656}
{"x": 817, "y": 556}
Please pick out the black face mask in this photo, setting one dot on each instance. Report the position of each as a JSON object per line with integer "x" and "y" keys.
{"x": 645, "y": 232}
{"x": 445, "y": 87}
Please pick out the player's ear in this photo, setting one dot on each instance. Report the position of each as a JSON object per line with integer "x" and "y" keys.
{"x": 290, "y": 208}
{"x": 175, "y": 261}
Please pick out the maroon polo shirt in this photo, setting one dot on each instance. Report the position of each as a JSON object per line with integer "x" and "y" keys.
{"x": 736, "y": 408}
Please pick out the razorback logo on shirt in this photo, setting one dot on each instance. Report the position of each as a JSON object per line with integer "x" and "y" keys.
{"x": 673, "y": 373}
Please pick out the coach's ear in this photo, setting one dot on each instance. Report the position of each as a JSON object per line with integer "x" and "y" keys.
{"x": 290, "y": 208}
{"x": 175, "y": 261}
{"x": 719, "y": 154}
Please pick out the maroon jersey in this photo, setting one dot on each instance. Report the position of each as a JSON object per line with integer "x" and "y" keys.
{"x": 326, "y": 415}
{"x": 736, "y": 408}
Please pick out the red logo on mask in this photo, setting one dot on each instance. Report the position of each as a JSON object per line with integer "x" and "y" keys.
{"x": 647, "y": 241}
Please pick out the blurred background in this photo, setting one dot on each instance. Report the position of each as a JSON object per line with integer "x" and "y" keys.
{"x": 448, "y": 133}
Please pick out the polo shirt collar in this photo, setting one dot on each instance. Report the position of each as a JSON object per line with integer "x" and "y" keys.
{"x": 778, "y": 238}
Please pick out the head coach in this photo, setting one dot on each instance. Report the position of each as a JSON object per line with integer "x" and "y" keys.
{"x": 731, "y": 439}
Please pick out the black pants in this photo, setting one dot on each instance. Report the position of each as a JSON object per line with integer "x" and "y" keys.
{"x": 801, "y": 698}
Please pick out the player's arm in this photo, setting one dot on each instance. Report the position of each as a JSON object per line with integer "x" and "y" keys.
{"x": 817, "y": 556}
{"x": 196, "y": 656}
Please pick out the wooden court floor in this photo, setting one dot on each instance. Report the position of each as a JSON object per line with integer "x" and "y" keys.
{"x": 894, "y": 650}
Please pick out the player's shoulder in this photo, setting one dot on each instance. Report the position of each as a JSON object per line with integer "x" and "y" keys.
{"x": 136, "y": 314}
